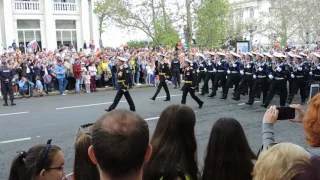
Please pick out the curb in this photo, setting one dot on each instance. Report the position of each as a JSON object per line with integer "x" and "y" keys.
{"x": 56, "y": 93}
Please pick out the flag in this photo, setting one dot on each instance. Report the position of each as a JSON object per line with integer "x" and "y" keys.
{"x": 32, "y": 44}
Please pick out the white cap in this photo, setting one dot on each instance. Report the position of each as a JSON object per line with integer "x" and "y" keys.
{"x": 201, "y": 55}
{"x": 268, "y": 55}
{"x": 297, "y": 56}
{"x": 302, "y": 54}
{"x": 221, "y": 54}
{"x": 254, "y": 53}
{"x": 249, "y": 54}
{"x": 162, "y": 55}
{"x": 244, "y": 53}
{"x": 278, "y": 55}
{"x": 122, "y": 59}
{"x": 259, "y": 54}
{"x": 188, "y": 61}
{"x": 211, "y": 53}
{"x": 316, "y": 54}
{"x": 291, "y": 54}
{"x": 235, "y": 54}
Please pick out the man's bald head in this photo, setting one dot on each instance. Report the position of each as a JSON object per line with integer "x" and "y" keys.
{"x": 120, "y": 140}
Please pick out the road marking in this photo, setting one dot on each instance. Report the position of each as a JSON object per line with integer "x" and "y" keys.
{"x": 153, "y": 118}
{"x": 14, "y": 113}
{"x": 257, "y": 101}
{"x": 241, "y": 104}
{"x": 170, "y": 96}
{"x": 87, "y": 105}
{"x": 15, "y": 140}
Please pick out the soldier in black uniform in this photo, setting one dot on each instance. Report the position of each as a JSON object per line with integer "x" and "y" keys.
{"x": 122, "y": 73}
{"x": 298, "y": 73}
{"x": 201, "y": 70}
{"x": 278, "y": 75}
{"x": 261, "y": 79}
{"x": 6, "y": 76}
{"x": 233, "y": 74}
{"x": 175, "y": 70}
{"x": 315, "y": 71}
{"x": 247, "y": 77}
{"x": 163, "y": 69}
{"x": 190, "y": 84}
{"x": 290, "y": 63}
{"x": 221, "y": 67}
{"x": 209, "y": 74}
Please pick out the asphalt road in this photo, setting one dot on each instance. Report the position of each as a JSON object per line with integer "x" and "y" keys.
{"x": 34, "y": 121}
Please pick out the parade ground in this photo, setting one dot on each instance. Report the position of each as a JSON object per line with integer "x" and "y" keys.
{"x": 35, "y": 120}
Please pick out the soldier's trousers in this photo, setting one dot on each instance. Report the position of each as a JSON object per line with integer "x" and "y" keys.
{"x": 164, "y": 85}
{"x": 201, "y": 75}
{"x": 232, "y": 79}
{"x": 118, "y": 97}
{"x": 246, "y": 82}
{"x": 275, "y": 86}
{"x": 299, "y": 83}
{"x": 176, "y": 76}
{"x": 5, "y": 89}
{"x": 219, "y": 77}
{"x": 187, "y": 88}
{"x": 259, "y": 83}
{"x": 205, "y": 89}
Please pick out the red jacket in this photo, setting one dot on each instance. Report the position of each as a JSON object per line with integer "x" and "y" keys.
{"x": 77, "y": 70}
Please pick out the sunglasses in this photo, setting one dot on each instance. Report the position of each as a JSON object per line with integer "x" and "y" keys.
{"x": 85, "y": 126}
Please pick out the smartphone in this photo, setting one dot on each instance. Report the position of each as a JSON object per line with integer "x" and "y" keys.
{"x": 286, "y": 113}
{"x": 314, "y": 89}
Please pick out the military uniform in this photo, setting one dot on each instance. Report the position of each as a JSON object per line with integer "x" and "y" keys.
{"x": 190, "y": 85}
{"x": 201, "y": 71}
{"x": 298, "y": 74}
{"x": 209, "y": 75}
{"x": 220, "y": 69}
{"x": 278, "y": 83}
{"x": 233, "y": 77}
{"x": 175, "y": 70}
{"x": 261, "y": 81}
{"x": 122, "y": 74}
{"x": 246, "y": 81}
{"x": 163, "y": 69}
{"x": 6, "y": 76}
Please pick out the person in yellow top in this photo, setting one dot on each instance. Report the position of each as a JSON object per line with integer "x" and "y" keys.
{"x": 106, "y": 72}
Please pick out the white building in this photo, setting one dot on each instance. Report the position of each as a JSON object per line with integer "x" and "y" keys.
{"x": 49, "y": 22}
{"x": 251, "y": 10}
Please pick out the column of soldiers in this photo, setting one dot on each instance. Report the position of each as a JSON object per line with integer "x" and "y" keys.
{"x": 257, "y": 73}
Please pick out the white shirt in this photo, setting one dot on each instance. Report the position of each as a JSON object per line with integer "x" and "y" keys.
{"x": 93, "y": 70}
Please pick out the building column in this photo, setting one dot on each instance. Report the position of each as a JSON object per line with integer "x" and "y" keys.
{"x": 85, "y": 25}
{"x": 79, "y": 36}
{"x": 1, "y": 47}
{"x": 8, "y": 23}
{"x": 50, "y": 26}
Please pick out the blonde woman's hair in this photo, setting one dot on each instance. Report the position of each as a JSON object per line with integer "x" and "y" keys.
{"x": 277, "y": 160}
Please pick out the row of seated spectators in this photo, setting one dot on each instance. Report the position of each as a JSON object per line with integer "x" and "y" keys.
{"x": 117, "y": 147}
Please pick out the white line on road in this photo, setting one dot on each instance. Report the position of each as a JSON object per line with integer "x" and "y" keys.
{"x": 9, "y": 114}
{"x": 257, "y": 101}
{"x": 241, "y": 104}
{"x": 170, "y": 96}
{"x": 153, "y": 118}
{"x": 87, "y": 105}
{"x": 15, "y": 140}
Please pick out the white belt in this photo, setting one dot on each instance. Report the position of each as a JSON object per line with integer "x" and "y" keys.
{"x": 220, "y": 70}
{"x": 248, "y": 73}
{"x": 210, "y": 71}
{"x": 279, "y": 78}
{"x": 201, "y": 70}
{"x": 300, "y": 76}
{"x": 317, "y": 75}
{"x": 234, "y": 72}
{"x": 262, "y": 76}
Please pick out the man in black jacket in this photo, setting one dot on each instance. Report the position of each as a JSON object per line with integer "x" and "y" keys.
{"x": 6, "y": 76}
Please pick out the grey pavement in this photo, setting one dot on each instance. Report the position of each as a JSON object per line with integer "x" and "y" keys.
{"x": 36, "y": 120}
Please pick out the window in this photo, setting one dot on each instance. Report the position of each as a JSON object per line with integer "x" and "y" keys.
{"x": 65, "y": 1}
{"x": 241, "y": 14}
{"x": 28, "y": 30}
{"x": 66, "y": 32}
{"x": 251, "y": 12}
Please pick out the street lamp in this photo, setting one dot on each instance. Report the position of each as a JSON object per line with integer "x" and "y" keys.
{"x": 251, "y": 29}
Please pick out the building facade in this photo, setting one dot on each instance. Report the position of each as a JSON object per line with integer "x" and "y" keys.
{"x": 49, "y": 22}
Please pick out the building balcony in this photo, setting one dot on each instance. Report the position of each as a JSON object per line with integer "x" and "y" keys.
{"x": 26, "y": 6}
{"x": 64, "y": 7}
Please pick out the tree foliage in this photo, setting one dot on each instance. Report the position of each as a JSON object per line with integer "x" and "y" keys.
{"x": 212, "y": 22}
{"x": 138, "y": 44}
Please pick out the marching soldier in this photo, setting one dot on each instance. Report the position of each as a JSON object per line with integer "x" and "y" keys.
{"x": 290, "y": 62}
{"x": 278, "y": 77}
{"x": 233, "y": 74}
{"x": 163, "y": 69}
{"x": 190, "y": 84}
{"x": 122, "y": 73}
{"x": 247, "y": 77}
{"x": 6, "y": 76}
{"x": 201, "y": 70}
{"x": 261, "y": 79}
{"x": 221, "y": 67}
{"x": 315, "y": 72}
{"x": 299, "y": 71}
{"x": 175, "y": 70}
{"x": 209, "y": 74}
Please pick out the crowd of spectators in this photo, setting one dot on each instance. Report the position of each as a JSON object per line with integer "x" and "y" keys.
{"x": 117, "y": 147}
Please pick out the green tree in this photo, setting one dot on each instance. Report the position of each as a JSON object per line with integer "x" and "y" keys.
{"x": 137, "y": 44}
{"x": 212, "y": 22}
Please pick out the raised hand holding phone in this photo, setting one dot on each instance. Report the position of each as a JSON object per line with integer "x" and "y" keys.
{"x": 271, "y": 115}
{"x": 301, "y": 112}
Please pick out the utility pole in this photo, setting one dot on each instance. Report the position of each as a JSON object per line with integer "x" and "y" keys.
{"x": 189, "y": 23}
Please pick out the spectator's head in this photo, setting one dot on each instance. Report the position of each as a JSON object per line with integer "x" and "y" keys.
{"x": 307, "y": 170}
{"x": 275, "y": 162}
{"x": 120, "y": 145}
{"x": 83, "y": 168}
{"x": 228, "y": 151}
{"x": 44, "y": 161}
{"x": 174, "y": 145}
{"x": 311, "y": 122}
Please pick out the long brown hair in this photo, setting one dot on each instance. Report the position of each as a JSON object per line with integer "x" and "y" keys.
{"x": 311, "y": 122}
{"x": 174, "y": 145}
{"x": 83, "y": 168}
